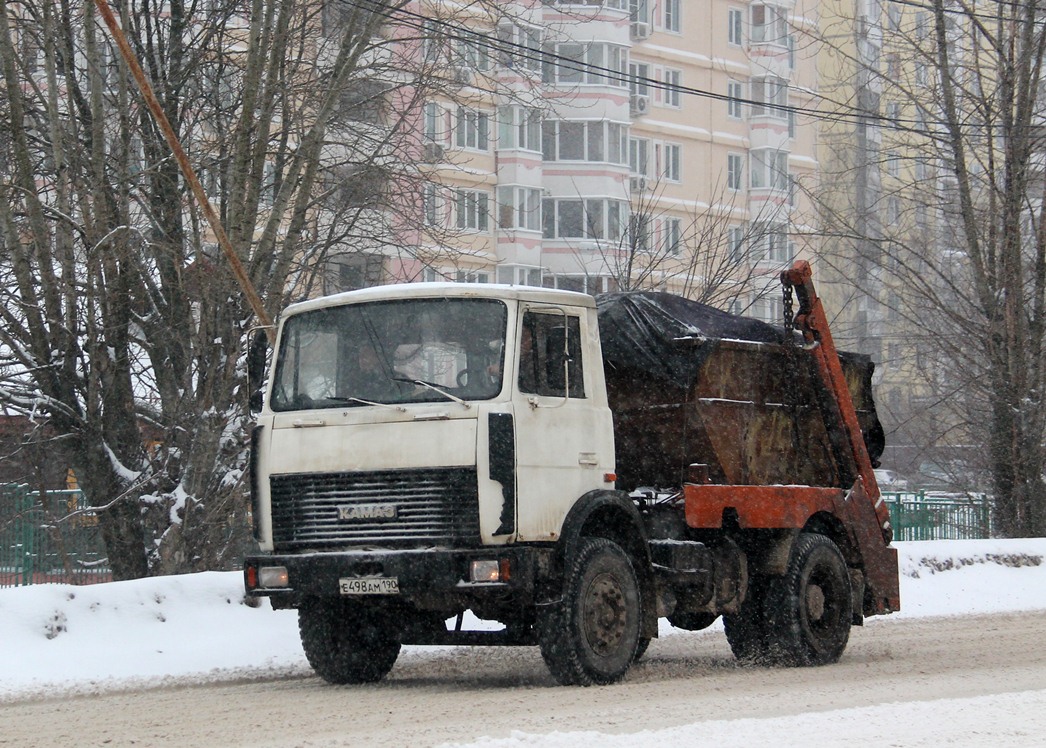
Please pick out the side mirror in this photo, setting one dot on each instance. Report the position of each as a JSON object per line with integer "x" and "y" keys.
{"x": 256, "y": 350}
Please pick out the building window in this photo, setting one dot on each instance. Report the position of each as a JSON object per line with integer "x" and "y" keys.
{"x": 639, "y": 76}
{"x": 472, "y": 276}
{"x": 735, "y": 19}
{"x": 734, "y": 170}
{"x": 519, "y": 208}
{"x": 673, "y": 83}
{"x": 432, "y": 204}
{"x": 769, "y": 97}
{"x": 471, "y": 52}
{"x": 735, "y": 238}
{"x": 769, "y": 170}
{"x": 519, "y": 47}
{"x": 672, "y": 235}
{"x": 893, "y": 163}
{"x": 773, "y": 244}
{"x": 735, "y": 92}
{"x": 669, "y": 161}
{"x": 519, "y": 275}
{"x": 564, "y": 140}
{"x": 769, "y": 25}
{"x": 639, "y": 10}
{"x": 363, "y": 271}
{"x": 519, "y": 127}
{"x": 592, "y": 63}
{"x": 893, "y": 211}
{"x": 433, "y": 41}
{"x": 433, "y": 123}
{"x": 472, "y": 129}
{"x": 582, "y": 219}
{"x": 671, "y": 14}
{"x": 893, "y": 13}
{"x": 473, "y": 209}
{"x": 639, "y": 156}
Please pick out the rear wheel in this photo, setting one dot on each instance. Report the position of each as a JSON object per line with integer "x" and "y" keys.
{"x": 591, "y": 635}
{"x": 809, "y": 610}
{"x": 346, "y": 642}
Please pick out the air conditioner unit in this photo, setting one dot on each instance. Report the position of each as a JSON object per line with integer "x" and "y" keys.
{"x": 433, "y": 152}
{"x": 640, "y": 30}
{"x": 639, "y": 104}
{"x": 637, "y": 184}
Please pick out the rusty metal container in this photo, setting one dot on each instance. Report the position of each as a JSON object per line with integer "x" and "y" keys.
{"x": 690, "y": 384}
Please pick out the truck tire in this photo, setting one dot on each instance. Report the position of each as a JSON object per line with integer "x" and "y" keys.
{"x": 747, "y": 630}
{"x": 591, "y": 635}
{"x": 347, "y": 642}
{"x": 641, "y": 648}
{"x": 809, "y": 610}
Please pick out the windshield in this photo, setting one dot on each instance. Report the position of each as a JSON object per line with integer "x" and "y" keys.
{"x": 382, "y": 352}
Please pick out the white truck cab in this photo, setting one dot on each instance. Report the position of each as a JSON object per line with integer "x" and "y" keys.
{"x": 430, "y": 414}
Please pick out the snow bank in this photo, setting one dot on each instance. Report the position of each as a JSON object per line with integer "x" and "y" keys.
{"x": 196, "y": 628}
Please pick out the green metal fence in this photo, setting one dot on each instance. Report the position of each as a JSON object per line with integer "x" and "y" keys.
{"x": 49, "y": 538}
{"x": 922, "y": 516}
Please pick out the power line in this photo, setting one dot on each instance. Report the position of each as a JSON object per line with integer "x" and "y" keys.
{"x": 455, "y": 31}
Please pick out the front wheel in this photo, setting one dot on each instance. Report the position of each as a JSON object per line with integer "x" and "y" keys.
{"x": 347, "y": 642}
{"x": 592, "y": 634}
{"x": 809, "y": 610}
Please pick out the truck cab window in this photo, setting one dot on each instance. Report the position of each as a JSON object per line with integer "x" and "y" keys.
{"x": 410, "y": 350}
{"x": 550, "y": 355}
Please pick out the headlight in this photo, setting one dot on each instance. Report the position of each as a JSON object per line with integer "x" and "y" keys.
{"x": 485, "y": 571}
{"x": 490, "y": 570}
{"x": 273, "y": 576}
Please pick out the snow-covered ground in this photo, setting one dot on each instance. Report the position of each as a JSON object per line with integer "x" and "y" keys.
{"x": 196, "y": 628}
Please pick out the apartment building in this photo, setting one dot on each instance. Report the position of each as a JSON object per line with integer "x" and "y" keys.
{"x": 596, "y": 146}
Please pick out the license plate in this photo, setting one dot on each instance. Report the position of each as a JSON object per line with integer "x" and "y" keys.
{"x": 369, "y": 586}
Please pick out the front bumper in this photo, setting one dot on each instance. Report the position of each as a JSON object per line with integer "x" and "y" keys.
{"x": 428, "y": 578}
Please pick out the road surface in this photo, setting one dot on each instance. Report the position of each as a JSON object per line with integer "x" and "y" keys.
{"x": 459, "y": 695}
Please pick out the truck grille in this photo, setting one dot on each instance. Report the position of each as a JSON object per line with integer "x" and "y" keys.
{"x": 437, "y": 506}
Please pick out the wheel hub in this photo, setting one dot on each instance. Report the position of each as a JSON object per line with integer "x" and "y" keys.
{"x": 604, "y": 614}
{"x": 815, "y": 602}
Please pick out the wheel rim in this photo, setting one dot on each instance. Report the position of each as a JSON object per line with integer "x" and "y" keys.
{"x": 604, "y": 614}
{"x": 822, "y": 607}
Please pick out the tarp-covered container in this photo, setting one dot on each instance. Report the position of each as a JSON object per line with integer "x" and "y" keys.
{"x": 692, "y": 384}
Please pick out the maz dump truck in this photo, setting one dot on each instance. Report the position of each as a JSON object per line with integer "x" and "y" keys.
{"x": 573, "y": 468}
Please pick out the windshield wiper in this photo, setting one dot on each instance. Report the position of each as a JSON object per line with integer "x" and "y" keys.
{"x": 434, "y": 388}
{"x": 361, "y": 401}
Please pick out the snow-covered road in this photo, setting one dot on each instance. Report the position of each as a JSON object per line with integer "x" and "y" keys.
{"x": 182, "y": 662}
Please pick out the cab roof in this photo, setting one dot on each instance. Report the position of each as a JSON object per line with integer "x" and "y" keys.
{"x": 506, "y": 293}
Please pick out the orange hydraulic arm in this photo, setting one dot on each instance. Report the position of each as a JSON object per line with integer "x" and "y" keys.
{"x": 812, "y": 322}
{"x": 859, "y": 507}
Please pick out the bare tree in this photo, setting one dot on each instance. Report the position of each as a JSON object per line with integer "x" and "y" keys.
{"x": 121, "y": 325}
{"x": 953, "y": 236}
{"x": 722, "y": 256}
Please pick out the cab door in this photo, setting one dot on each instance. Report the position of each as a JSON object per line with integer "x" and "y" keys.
{"x": 564, "y": 431}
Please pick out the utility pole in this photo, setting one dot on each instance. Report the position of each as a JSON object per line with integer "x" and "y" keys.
{"x": 183, "y": 161}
